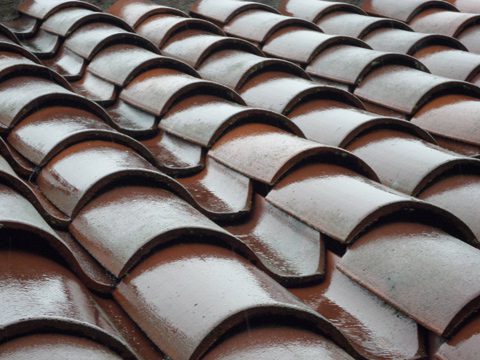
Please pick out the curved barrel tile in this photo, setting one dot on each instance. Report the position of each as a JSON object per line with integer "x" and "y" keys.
{"x": 202, "y": 119}
{"x": 214, "y": 290}
{"x": 234, "y": 68}
{"x": 307, "y": 44}
{"x": 356, "y": 25}
{"x": 464, "y": 344}
{"x": 41, "y": 10}
{"x": 334, "y": 123}
{"x": 135, "y": 12}
{"x": 119, "y": 245}
{"x": 469, "y": 37}
{"x": 258, "y": 25}
{"x": 173, "y": 155}
{"x": 405, "y": 264}
{"x": 43, "y": 44}
{"x": 341, "y": 203}
{"x": 160, "y": 28}
{"x": 66, "y": 21}
{"x": 220, "y": 192}
{"x": 95, "y": 89}
{"x": 23, "y": 26}
{"x": 404, "y": 162}
{"x": 439, "y": 60}
{"x": 50, "y": 345}
{"x": 452, "y": 118}
{"x": 18, "y": 213}
{"x": 120, "y": 63}
{"x": 91, "y": 38}
{"x": 15, "y": 50}
{"x": 40, "y": 294}
{"x": 408, "y": 42}
{"x": 275, "y": 342}
{"x": 44, "y": 133}
{"x": 405, "y": 90}
{"x": 194, "y": 46}
{"x": 403, "y": 11}
{"x": 222, "y": 12}
{"x": 67, "y": 63}
{"x": 314, "y": 10}
{"x": 350, "y": 65}
{"x": 293, "y": 252}
{"x": 373, "y": 328}
{"x": 438, "y": 21}
{"x": 265, "y": 153}
{"x": 458, "y": 193}
{"x": 156, "y": 90}
{"x": 131, "y": 120}
{"x": 468, "y": 6}
{"x": 69, "y": 180}
{"x": 282, "y": 92}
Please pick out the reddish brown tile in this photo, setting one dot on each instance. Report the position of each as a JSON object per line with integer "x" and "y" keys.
{"x": 43, "y": 9}
{"x": 463, "y": 345}
{"x": 132, "y": 120}
{"x": 67, "y": 63}
{"x": 43, "y": 44}
{"x": 468, "y": 6}
{"x": 23, "y": 26}
{"x": 136, "y": 11}
{"x": 409, "y": 272}
{"x": 439, "y": 21}
{"x": 314, "y": 10}
{"x": 96, "y": 89}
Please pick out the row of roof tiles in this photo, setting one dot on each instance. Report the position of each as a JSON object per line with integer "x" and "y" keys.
{"x": 168, "y": 98}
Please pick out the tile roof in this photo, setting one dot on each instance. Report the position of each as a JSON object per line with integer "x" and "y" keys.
{"x": 259, "y": 213}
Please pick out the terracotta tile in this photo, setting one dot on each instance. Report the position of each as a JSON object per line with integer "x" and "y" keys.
{"x": 468, "y": 6}
{"x": 203, "y": 119}
{"x": 43, "y": 44}
{"x": 194, "y": 46}
{"x": 335, "y": 123}
{"x": 120, "y": 245}
{"x": 356, "y": 25}
{"x": 439, "y": 21}
{"x": 6, "y": 35}
{"x": 91, "y": 38}
{"x": 373, "y": 328}
{"x": 403, "y": 161}
{"x": 403, "y": 11}
{"x": 234, "y": 68}
{"x": 49, "y": 345}
{"x": 135, "y": 12}
{"x": 11, "y": 56}
{"x": 463, "y": 345}
{"x": 66, "y": 21}
{"x": 222, "y": 12}
{"x": 259, "y": 25}
{"x": 282, "y": 92}
{"x": 233, "y": 292}
{"x": 69, "y": 188}
{"x": 307, "y": 44}
{"x": 156, "y": 90}
{"x": 388, "y": 86}
{"x": 469, "y": 37}
{"x": 41, "y": 294}
{"x": 291, "y": 252}
{"x": 314, "y": 10}
{"x": 23, "y": 93}
{"x": 436, "y": 117}
{"x": 223, "y": 194}
{"x": 160, "y": 28}
{"x": 408, "y": 42}
{"x": 23, "y": 26}
{"x": 120, "y": 63}
{"x": 43, "y": 9}
{"x": 44, "y": 133}
{"x": 132, "y": 120}
{"x": 409, "y": 272}
{"x": 276, "y": 342}
{"x": 458, "y": 193}
{"x": 96, "y": 89}
{"x": 265, "y": 153}
{"x": 67, "y": 64}
{"x": 341, "y": 203}
{"x": 350, "y": 64}
{"x": 439, "y": 60}
{"x": 173, "y": 155}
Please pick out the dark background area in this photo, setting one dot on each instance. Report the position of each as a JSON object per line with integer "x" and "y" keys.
{"x": 7, "y": 7}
